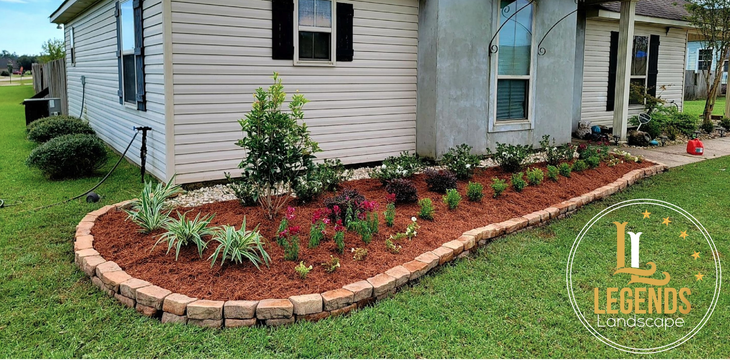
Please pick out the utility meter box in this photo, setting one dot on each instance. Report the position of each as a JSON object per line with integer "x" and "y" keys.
{"x": 39, "y": 108}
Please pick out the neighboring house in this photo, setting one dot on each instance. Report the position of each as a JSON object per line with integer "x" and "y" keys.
{"x": 658, "y": 56}
{"x": 383, "y": 76}
{"x": 700, "y": 58}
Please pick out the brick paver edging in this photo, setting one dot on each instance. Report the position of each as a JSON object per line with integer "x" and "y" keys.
{"x": 154, "y": 301}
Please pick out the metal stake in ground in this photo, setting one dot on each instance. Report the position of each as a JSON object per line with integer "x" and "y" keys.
{"x": 143, "y": 148}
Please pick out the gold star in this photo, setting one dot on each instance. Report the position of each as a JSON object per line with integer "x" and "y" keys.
{"x": 666, "y": 221}
{"x": 696, "y": 255}
{"x": 699, "y": 276}
{"x": 683, "y": 235}
{"x": 646, "y": 214}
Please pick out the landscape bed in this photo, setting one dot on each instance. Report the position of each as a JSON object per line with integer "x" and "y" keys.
{"x": 120, "y": 241}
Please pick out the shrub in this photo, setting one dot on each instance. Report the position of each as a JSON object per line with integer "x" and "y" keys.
{"x": 427, "y": 210}
{"x": 565, "y": 169}
{"x": 579, "y": 165}
{"x": 707, "y": 127}
{"x": 325, "y": 176}
{"x": 587, "y": 150}
{"x": 278, "y": 148}
{"x": 148, "y": 211}
{"x": 452, "y": 199}
{"x": 359, "y": 254}
{"x": 475, "y": 191}
{"x": 4, "y": 73}
{"x": 440, "y": 180}
{"x": 511, "y": 157}
{"x": 331, "y": 265}
{"x": 389, "y": 214}
{"x": 302, "y": 270}
{"x": 338, "y": 205}
{"x": 535, "y": 176}
{"x": 725, "y": 122}
{"x": 68, "y": 156}
{"x": 685, "y": 123}
{"x": 239, "y": 246}
{"x": 182, "y": 232}
{"x": 555, "y": 154}
{"x": 400, "y": 167}
{"x": 593, "y": 161}
{"x": 552, "y": 173}
{"x": 56, "y": 126}
{"x": 460, "y": 161}
{"x": 518, "y": 182}
{"x": 404, "y": 190}
{"x": 499, "y": 186}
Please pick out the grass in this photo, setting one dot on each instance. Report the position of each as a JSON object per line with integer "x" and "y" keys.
{"x": 509, "y": 300}
{"x": 696, "y": 107}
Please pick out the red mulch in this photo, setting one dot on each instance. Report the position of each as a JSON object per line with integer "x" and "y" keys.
{"x": 119, "y": 241}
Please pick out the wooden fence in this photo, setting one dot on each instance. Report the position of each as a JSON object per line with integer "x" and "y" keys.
{"x": 696, "y": 87}
{"x": 52, "y": 75}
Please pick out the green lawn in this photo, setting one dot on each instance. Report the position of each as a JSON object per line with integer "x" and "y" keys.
{"x": 696, "y": 107}
{"x": 507, "y": 301}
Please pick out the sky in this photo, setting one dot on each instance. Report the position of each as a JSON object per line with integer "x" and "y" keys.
{"x": 24, "y": 25}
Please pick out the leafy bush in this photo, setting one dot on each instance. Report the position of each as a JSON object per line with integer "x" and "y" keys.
{"x": 707, "y": 127}
{"x": 278, "y": 148}
{"x": 339, "y": 205}
{"x": 440, "y": 180}
{"x": 518, "y": 181}
{"x": 325, "y": 176}
{"x": 244, "y": 189}
{"x": 302, "y": 270}
{"x": 4, "y": 73}
{"x": 69, "y": 156}
{"x": 427, "y": 209}
{"x": 400, "y": 167}
{"x": 56, "y": 126}
{"x": 148, "y": 211}
{"x": 552, "y": 172}
{"x": 535, "y": 176}
{"x": 475, "y": 191}
{"x": 239, "y": 246}
{"x": 331, "y": 265}
{"x": 359, "y": 254}
{"x": 565, "y": 169}
{"x": 587, "y": 150}
{"x": 555, "y": 154}
{"x": 579, "y": 165}
{"x": 452, "y": 199}
{"x": 460, "y": 161}
{"x": 511, "y": 157}
{"x": 404, "y": 190}
{"x": 182, "y": 232}
{"x": 593, "y": 162}
{"x": 685, "y": 123}
{"x": 499, "y": 186}
{"x": 389, "y": 214}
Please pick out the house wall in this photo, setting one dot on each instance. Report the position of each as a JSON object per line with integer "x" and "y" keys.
{"x": 96, "y": 45}
{"x": 693, "y": 52}
{"x": 455, "y": 88}
{"x": 360, "y": 111}
{"x": 670, "y": 77}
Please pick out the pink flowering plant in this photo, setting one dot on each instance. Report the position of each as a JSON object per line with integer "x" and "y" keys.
{"x": 339, "y": 236}
{"x": 317, "y": 232}
{"x": 288, "y": 235}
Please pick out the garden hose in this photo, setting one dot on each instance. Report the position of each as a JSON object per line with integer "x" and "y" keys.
{"x": 99, "y": 183}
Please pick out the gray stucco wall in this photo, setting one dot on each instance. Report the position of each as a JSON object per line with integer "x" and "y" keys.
{"x": 454, "y": 75}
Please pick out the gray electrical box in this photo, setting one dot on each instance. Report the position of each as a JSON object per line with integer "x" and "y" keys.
{"x": 40, "y": 108}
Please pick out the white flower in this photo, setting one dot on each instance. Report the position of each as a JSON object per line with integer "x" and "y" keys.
{"x": 383, "y": 166}
{"x": 468, "y": 166}
{"x": 413, "y": 219}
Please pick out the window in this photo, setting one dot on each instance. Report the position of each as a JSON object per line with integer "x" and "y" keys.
{"x": 315, "y": 28}
{"x": 72, "y": 41}
{"x": 639, "y": 64}
{"x": 514, "y": 61}
{"x": 704, "y": 59}
{"x": 129, "y": 73}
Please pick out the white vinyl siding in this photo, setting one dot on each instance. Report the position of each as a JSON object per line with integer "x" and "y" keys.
{"x": 95, "y": 34}
{"x": 359, "y": 111}
{"x": 670, "y": 75}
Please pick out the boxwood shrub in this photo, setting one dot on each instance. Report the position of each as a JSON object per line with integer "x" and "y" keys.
{"x": 46, "y": 129}
{"x": 69, "y": 156}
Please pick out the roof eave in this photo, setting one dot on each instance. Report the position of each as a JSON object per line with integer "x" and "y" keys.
{"x": 607, "y": 14}
{"x": 70, "y": 9}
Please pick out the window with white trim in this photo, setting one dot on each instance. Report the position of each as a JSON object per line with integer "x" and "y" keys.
{"x": 514, "y": 60}
{"x": 639, "y": 64}
{"x": 129, "y": 73}
{"x": 704, "y": 59}
{"x": 315, "y": 26}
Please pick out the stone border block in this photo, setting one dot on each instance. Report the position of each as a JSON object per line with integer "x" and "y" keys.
{"x": 306, "y": 304}
{"x": 205, "y": 310}
{"x": 177, "y": 304}
{"x": 152, "y": 296}
{"x": 240, "y": 309}
{"x": 274, "y": 309}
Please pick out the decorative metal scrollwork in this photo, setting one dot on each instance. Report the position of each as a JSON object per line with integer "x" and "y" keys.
{"x": 541, "y": 50}
{"x": 493, "y": 48}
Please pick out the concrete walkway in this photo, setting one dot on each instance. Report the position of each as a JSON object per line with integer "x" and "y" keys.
{"x": 676, "y": 155}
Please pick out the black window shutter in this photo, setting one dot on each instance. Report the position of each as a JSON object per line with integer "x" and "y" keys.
{"x": 345, "y": 14}
{"x": 612, "y": 64}
{"x": 282, "y": 30}
{"x": 117, "y": 14}
{"x": 653, "y": 65}
{"x": 139, "y": 54}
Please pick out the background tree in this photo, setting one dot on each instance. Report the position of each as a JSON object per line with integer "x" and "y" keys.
{"x": 53, "y": 49}
{"x": 711, "y": 18}
{"x": 26, "y": 61}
